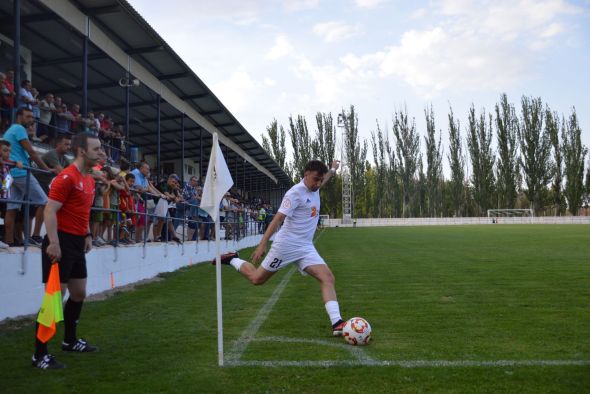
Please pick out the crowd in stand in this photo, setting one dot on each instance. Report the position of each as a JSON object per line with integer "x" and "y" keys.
{"x": 54, "y": 117}
{"x": 127, "y": 201}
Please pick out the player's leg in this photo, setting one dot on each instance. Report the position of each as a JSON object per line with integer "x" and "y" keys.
{"x": 256, "y": 276}
{"x": 73, "y": 250}
{"x": 324, "y": 275}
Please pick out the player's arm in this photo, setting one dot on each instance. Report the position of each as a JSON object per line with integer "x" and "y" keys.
{"x": 277, "y": 221}
{"x": 333, "y": 168}
{"x": 50, "y": 219}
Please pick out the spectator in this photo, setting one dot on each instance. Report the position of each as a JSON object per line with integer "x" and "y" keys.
{"x": 111, "y": 201}
{"x": 145, "y": 203}
{"x": 35, "y": 104}
{"x": 261, "y": 219}
{"x": 26, "y": 97}
{"x": 63, "y": 119}
{"x": 22, "y": 150}
{"x": 55, "y": 159}
{"x": 76, "y": 122}
{"x": 5, "y": 178}
{"x": 47, "y": 109}
{"x": 91, "y": 124}
{"x": 172, "y": 195}
{"x": 116, "y": 142}
{"x": 8, "y": 95}
{"x": 127, "y": 207}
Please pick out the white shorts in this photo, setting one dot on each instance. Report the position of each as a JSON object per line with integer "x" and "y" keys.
{"x": 280, "y": 257}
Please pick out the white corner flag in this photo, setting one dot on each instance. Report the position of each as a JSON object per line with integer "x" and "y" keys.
{"x": 217, "y": 183}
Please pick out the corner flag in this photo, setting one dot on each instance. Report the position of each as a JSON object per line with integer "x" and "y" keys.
{"x": 51, "y": 310}
{"x": 218, "y": 182}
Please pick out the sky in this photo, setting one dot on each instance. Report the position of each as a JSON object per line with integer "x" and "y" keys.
{"x": 267, "y": 59}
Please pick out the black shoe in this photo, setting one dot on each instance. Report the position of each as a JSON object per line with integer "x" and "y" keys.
{"x": 16, "y": 244}
{"x": 226, "y": 258}
{"x": 46, "y": 362}
{"x": 80, "y": 346}
{"x": 177, "y": 240}
{"x": 337, "y": 328}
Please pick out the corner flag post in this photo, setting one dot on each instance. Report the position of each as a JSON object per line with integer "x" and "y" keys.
{"x": 217, "y": 183}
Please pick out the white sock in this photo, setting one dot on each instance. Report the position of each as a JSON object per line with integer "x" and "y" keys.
{"x": 236, "y": 262}
{"x": 333, "y": 311}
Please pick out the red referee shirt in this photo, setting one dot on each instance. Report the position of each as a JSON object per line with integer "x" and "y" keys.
{"x": 76, "y": 192}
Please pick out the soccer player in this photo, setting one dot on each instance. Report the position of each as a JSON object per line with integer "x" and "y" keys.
{"x": 68, "y": 238}
{"x": 299, "y": 213}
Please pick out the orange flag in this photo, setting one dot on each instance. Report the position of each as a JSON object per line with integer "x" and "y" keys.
{"x": 51, "y": 310}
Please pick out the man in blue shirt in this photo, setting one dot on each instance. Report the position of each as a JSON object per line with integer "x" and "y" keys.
{"x": 23, "y": 151}
{"x": 142, "y": 184}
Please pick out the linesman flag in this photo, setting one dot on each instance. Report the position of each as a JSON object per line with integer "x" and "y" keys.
{"x": 51, "y": 310}
{"x": 218, "y": 181}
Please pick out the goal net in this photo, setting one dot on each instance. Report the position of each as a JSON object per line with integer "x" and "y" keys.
{"x": 324, "y": 221}
{"x": 524, "y": 215}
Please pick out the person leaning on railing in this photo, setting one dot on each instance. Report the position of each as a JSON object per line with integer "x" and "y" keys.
{"x": 22, "y": 150}
{"x": 5, "y": 178}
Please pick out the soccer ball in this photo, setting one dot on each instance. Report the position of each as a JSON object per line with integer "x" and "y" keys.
{"x": 357, "y": 331}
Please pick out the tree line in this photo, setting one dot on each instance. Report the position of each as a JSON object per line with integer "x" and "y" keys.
{"x": 537, "y": 161}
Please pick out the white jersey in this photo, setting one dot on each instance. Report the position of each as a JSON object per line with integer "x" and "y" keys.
{"x": 302, "y": 208}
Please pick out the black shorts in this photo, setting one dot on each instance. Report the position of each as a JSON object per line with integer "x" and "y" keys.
{"x": 73, "y": 259}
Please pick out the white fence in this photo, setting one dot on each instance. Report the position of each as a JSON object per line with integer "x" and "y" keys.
{"x": 393, "y": 222}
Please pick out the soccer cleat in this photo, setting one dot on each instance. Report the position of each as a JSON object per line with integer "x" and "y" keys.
{"x": 226, "y": 258}
{"x": 80, "y": 346}
{"x": 46, "y": 362}
{"x": 337, "y": 328}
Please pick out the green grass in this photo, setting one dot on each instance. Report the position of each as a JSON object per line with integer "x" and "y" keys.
{"x": 479, "y": 293}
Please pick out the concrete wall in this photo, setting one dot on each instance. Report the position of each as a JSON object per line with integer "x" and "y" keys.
{"x": 21, "y": 292}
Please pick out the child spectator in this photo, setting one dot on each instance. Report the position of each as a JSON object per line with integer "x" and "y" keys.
{"x": 127, "y": 207}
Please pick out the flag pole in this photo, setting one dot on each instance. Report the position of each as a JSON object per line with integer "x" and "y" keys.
{"x": 218, "y": 277}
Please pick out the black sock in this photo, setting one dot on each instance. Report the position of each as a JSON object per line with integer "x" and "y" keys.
{"x": 40, "y": 347}
{"x": 71, "y": 316}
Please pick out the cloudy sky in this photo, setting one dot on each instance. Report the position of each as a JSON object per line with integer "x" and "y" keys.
{"x": 269, "y": 59}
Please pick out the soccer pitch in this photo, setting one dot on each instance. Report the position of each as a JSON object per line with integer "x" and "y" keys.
{"x": 453, "y": 309}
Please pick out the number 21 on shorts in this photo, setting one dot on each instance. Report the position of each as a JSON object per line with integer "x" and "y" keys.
{"x": 276, "y": 263}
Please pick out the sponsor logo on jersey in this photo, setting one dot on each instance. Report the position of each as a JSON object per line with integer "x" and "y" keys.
{"x": 314, "y": 212}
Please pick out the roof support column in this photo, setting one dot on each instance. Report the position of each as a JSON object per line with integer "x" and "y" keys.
{"x": 182, "y": 149}
{"x": 201, "y": 156}
{"x": 127, "y": 116}
{"x": 16, "y": 48}
{"x": 158, "y": 131}
{"x": 85, "y": 72}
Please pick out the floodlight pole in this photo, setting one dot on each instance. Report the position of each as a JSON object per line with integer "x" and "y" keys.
{"x": 346, "y": 176}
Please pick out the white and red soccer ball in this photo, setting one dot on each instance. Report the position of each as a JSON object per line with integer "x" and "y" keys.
{"x": 357, "y": 331}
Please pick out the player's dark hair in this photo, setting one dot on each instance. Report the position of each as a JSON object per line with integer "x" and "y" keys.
{"x": 80, "y": 140}
{"x": 316, "y": 165}
{"x": 5, "y": 142}
{"x": 129, "y": 176}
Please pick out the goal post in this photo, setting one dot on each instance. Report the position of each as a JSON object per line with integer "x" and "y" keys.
{"x": 324, "y": 221}
{"x": 496, "y": 214}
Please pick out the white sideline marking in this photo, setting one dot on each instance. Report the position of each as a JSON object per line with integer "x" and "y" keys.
{"x": 355, "y": 351}
{"x": 409, "y": 363}
{"x": 240, "y": 344}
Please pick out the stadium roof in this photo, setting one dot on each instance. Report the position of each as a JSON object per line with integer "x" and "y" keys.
{"x": 121, "y": 39}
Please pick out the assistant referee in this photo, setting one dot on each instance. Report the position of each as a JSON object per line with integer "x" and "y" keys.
{"x": 68, "y": 239}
